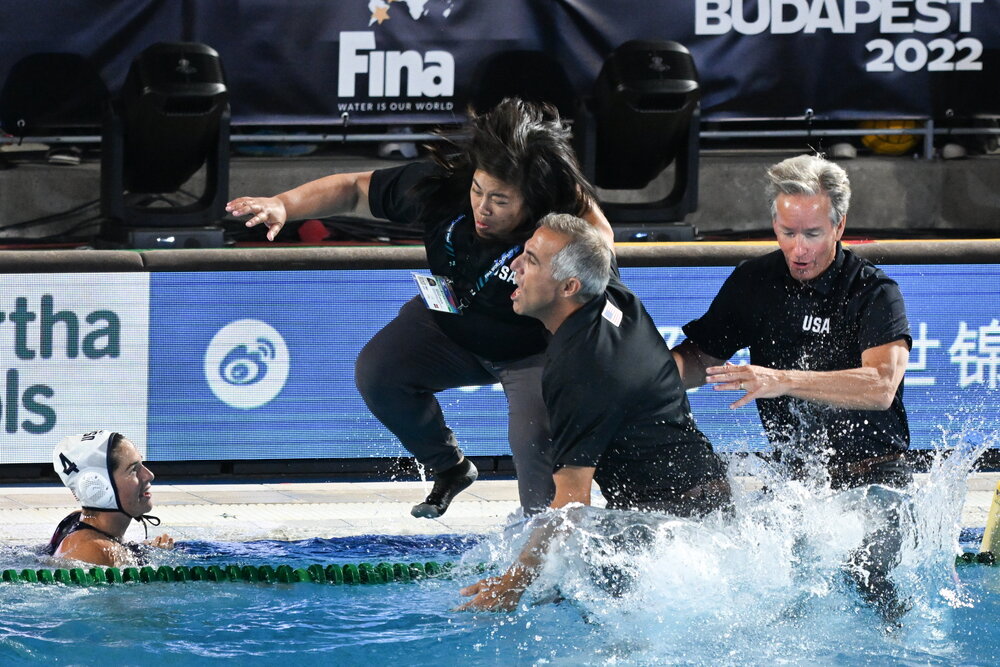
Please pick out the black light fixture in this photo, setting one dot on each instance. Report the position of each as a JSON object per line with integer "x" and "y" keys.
{"x": 644, "y": 116}
{"x": 170, "y": 120}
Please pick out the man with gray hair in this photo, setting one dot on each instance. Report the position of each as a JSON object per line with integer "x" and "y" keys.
{"x": 617, "y": 409}
{"x": 829, "y": 342}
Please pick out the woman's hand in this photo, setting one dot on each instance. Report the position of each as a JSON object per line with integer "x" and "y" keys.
{"x": 267, "y": 210}
{"x": 163, "y": 541}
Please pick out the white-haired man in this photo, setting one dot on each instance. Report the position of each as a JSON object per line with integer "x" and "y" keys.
{"x": 829, "y": 342}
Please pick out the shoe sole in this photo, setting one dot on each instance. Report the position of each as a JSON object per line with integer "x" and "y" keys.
{"x": 425, "y": 511}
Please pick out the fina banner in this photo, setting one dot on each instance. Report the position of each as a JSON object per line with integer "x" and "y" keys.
{"x": 73, "y": 358}
{"x": 422, "y": 61}
{"x": 838, "y": 58}
{"x": 364, "y": 61}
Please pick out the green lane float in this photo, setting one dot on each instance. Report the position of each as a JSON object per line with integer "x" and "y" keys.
{"x": 350, "y": 574}
{"x": 972, "y": 558}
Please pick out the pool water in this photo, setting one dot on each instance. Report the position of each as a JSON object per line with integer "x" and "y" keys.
{"x": 191, "y": 623}
{"x": 763, "y": 586}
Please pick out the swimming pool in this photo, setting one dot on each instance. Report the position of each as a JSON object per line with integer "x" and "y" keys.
{"x": 189, "y": 623}
{"x": 762, "y": 587}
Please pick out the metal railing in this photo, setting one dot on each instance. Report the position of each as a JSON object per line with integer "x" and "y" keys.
{"x": 928, "y": 131}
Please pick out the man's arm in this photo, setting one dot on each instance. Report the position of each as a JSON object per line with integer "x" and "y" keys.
{"x": 870, "y": 387}
{"x": 692, "y": 363}
{"x": 338, "y": 193}
{"x": 504, "y": 592}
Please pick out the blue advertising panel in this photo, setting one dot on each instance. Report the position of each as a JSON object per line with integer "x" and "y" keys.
{"x": 216, "y": 340}
{"x": 259, "y": 365}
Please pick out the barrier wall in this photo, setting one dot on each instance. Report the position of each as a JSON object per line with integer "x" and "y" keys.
{"x": 210, "y": 355}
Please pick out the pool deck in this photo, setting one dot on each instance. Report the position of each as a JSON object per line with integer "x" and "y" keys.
{"x": 300, "y": 510}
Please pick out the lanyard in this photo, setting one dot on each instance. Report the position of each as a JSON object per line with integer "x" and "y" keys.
{"x": 465, "y": 300}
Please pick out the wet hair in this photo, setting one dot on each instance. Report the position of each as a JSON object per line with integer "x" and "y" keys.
{"x": 114, "y": 452}
{"x": 525, "y": 145}
{"x": 586, "y": 257}
{"x": 810, "y": 175}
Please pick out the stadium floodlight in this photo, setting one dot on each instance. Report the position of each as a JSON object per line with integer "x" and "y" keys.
{"x": 170, "y": 121}
{"x": 643, "y": 117}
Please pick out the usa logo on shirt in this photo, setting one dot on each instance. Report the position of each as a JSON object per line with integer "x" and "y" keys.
{"x": 816, "y": 324}
{"x": 506, "y": 274}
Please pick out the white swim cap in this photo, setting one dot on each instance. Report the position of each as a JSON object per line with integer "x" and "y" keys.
{"x": 84, "y": 465}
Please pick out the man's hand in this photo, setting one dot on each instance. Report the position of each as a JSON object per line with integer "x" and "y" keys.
{"x": 503, "y": 593}
{"x": 756, "y": 381}
{"x": 872, "y": 386}
{"x": 493, "y": 594}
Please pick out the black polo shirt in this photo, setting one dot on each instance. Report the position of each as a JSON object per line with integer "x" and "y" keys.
{"x": 821, "y": 325}
{"x": 616, "y": 402}
{"x": 488, "y": 327}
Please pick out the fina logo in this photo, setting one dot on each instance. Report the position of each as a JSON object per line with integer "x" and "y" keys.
{"x": 246, "y": 364}
{"x": 431, "y": 74}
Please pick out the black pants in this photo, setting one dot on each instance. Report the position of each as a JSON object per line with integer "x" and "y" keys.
{"x": 410, "y": 359}
{"x": 871, "y": 564}
{"x": 695, "y": 503}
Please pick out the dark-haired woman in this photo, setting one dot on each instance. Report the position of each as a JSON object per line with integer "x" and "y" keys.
{"x": 107, "y": 476}
{"x": 476, "y": 208}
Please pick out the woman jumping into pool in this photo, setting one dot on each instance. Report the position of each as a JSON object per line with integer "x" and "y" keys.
{"x": 105, "y": 472}
{"x": 476, "y": 209}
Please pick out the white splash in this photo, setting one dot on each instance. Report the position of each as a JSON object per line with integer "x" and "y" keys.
{"x": 768, "y": 582}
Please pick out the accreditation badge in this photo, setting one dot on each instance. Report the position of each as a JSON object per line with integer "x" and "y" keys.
{"x": 437, "y": 293}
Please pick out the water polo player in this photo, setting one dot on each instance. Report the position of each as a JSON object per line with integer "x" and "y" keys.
{"x": 105, "y": 472}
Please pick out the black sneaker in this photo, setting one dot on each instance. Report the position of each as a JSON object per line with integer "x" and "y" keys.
{"x": 447, "y": 485}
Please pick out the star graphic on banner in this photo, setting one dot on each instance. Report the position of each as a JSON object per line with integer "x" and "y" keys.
{"x": 380, "y": 10}
{"x": 381, "y": 14}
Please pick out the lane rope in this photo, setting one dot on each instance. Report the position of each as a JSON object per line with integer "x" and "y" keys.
{"x": 350, "y": 574}
{"x": 981, "y": 558}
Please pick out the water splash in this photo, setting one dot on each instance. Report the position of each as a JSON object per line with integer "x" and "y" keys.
{"x": 767, "y": 583}
{"x": 422, "y": 471}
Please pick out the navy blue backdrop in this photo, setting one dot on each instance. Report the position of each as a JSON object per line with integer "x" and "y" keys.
{"x": 416, "y": 61}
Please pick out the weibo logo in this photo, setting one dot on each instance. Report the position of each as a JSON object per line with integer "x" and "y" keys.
{"x": 246, "y": 364}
